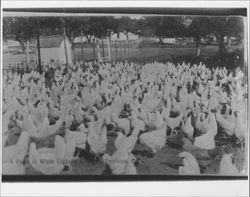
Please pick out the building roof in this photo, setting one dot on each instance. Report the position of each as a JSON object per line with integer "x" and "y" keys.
{"x": 51, "y": 41}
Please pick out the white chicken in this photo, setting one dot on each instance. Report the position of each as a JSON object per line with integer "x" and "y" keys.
{"x": 130, "y": 168}
{"x": 174, "y": 122}
{"x": 122, "y": 161}
{"x": 28, "y": 125}
{"x": 122, "y": 123}
{"x": 188, "y": 128}
{"x": 155, "y": 139}
{"x": 96, "y": 141}
{"x": 206, "y": 141}
{"x": 13, "y": 156}
{"x": 240, "y": 129}
{"x": 136, "y": 123}
{"x": 158, "y": 120}
{"x": 227, "y": 126}
{"x": 79, "y": 137}
{"x": 52, "y": 160}
{"x": 126, "y": 142}
{"x": 227, "y": 167}
{"x": 190, "y": 164}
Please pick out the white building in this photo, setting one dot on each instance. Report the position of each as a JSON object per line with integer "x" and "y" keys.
{"x": 54, "y": 48}
{"x": 122, "y": 36}
{"x": 169, "y": 40}
{"x": 79, "y": 39}
{"x": 149, "y": 39}
{"x": 13, "y": 43}
{"x": 5, "y": 47}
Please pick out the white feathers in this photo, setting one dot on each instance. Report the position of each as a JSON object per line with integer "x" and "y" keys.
{"x": 133, "y": 99}
{"x": 206, "y": 141}
{"x": 155, "y": 139}
{"x": 188, "y": 128}
{"x": 158, "y": 121}
{"x": 227, "y": 167}
{"x": 121, "y": 162}
{"x": 97, "y": 141}
{"x": 122, "y": 123}
{"x": 190, "y": 164}
{"x": 52, "y": 160}
{"x": 78, "y": 137}
{"x": 226, "y": 125}
{"x": 13, "y": 156}
{"x": 241, "y": 125}
{"x": 137, "y": 123}
{"x": 29, "y": 126}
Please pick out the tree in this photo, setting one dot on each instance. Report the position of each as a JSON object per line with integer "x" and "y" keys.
{"x": 196, "y": 27}
{"x": 24, "y": 29}
{"x": 7, "y": 28}
{"x": 75, "y": 25}
{"x": 217, "y": 26}
{"x": 165, "y": 26}
{"x": 19, "y": 28}
{"x": 126, "y": 25}
{"x": 225, "y": 26}
{"x": 144, "y": 29}
{"x": 100, "y": 26}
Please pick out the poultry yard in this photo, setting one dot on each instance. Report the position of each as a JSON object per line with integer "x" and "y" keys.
{"x": 127, "y": 119}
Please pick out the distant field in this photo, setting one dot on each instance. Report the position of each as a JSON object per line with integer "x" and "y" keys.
{"x": 121, "y": 53}
{"x": 205, "y": 51}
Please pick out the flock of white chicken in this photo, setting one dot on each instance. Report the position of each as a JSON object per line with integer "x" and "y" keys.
{"x": 145, "y": 104}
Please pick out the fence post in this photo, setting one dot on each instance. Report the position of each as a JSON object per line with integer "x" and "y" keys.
{"x": 103, "y": 53}
{"x": 98, "y": 51}
{"x": 65, "y": 47}
{"x": 109, "y": 48}
{"x": 28, "y": 52}
{"x": 82, "y": 47}
{"x": 128, "y": 49}
{"x": 132, "y": 47}
{"x": 115, "y": 50}
{"x": 125, "y": 51}
{"x": 38, "y": 47}
{"x": 35, "y": 56}
{"x": 119, "y": 54}
{"x": 94, "y": 45}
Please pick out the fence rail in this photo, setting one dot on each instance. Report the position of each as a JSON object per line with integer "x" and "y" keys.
{"x": 105, "y": 50}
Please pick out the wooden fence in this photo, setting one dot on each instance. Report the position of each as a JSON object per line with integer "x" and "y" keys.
{"x": 105, "y": 51}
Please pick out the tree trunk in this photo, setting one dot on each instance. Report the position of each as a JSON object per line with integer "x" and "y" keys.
{"x": 127, "y": 45}
{"x": 126, "y": 34}
{"x": 28, "y": 52}
{"x": 65, "y": 47}
{"x": 222, "y": 48}
{"x": 82, "y": 46}
{"x": 197, "y": 45}
{"x": 72, "y": 37}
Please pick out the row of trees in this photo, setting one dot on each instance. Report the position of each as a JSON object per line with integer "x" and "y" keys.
{"x": 23, "y": 29}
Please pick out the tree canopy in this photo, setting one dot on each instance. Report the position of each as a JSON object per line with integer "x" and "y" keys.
{"x": 26, "y": 28}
